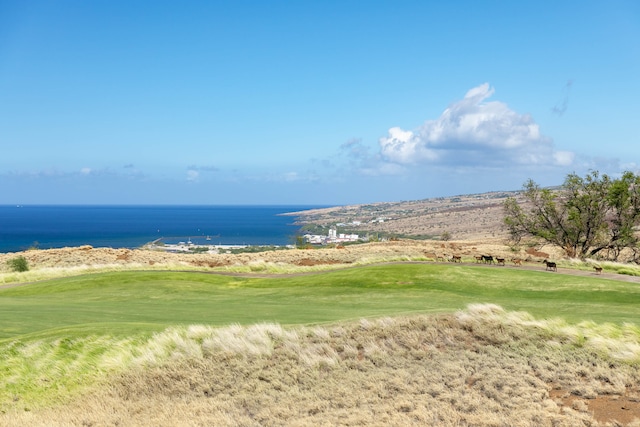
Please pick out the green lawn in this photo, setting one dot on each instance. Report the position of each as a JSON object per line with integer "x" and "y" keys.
{"x": 131, "y": 303}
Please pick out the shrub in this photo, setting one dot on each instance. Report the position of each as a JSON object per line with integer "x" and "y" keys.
{"x": 18, "y": 264}
{"x": 629, "y": 272}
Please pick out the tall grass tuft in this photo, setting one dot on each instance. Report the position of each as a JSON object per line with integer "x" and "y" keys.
{"x": 43, "y": 371}
{"x": 493, "y": 323}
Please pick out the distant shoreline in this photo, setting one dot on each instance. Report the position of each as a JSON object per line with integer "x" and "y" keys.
{"x": 214, "y": 249}
{"x": 50, "y": 227}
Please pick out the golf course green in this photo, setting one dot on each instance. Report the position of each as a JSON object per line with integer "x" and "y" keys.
{"x": 139, "y": 303}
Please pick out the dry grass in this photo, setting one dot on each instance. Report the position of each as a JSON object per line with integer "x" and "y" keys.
{"x": 481, "y": 367}
{"x": 54, "y": 263}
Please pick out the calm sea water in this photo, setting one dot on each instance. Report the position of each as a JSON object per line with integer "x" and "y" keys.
{"x": 132, "y": 226}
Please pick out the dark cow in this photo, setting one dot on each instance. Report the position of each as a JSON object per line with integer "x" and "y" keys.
{"x": 551, "y": 266}
{"x": 488, "y": 259}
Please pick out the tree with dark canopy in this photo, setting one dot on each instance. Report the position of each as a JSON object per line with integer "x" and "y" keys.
{"x": 585, "y": 216}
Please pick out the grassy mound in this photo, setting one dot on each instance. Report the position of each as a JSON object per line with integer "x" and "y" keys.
{"x": 482, "y": 366}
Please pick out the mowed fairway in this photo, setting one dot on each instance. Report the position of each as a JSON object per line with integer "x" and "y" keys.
{"x": 134, "y": 303}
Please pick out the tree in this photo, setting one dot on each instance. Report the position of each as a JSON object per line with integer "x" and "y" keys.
{"x": 583, "y": 217}
{"x": 624, "y": 198}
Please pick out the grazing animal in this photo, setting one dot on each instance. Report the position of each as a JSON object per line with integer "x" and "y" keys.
{"x": 456, "y": 258}
{"x": 500, "y": 261}
{"x": 551, "y": 266}
{"x": 440, "y": 258}
{"x": 488, "y": 259}
{"x": 597, "y": 269}
{"x": 516, "y": 261}
{"x": 478, "y": 258}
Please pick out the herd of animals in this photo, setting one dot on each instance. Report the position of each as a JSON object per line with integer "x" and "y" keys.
{"x": 489, "y": 259}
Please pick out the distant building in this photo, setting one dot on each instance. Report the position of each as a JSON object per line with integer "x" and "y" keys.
{"x": 331, "y": 237}
{"x": 332, "y": 233}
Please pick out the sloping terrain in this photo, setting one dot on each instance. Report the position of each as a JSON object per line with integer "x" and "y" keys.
{"x": 464, "y": 217}
{"x": 478, "y": 367}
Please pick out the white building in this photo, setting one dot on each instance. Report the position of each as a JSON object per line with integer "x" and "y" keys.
{"x": 332, "y": 237}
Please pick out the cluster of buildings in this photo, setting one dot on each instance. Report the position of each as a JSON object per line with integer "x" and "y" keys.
{"x": 379, "y": 220}
{"x": 332, "y": 237}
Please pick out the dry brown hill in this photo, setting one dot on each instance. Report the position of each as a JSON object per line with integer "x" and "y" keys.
{"x": 463, "y": 217}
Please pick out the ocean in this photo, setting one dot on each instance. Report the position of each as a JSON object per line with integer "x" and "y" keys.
{"x": 45, "y": 227}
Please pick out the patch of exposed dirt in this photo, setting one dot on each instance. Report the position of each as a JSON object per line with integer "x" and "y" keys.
{"x": 614, "y": 408}
{"x": 535, "y": 253}
{"x": 310, "y": 262}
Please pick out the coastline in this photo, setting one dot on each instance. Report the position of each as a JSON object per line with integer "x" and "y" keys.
{"x": 130, "y": 227}
{"x": 211, "y": 249}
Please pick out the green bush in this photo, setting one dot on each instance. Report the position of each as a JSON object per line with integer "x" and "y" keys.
{"x": 18, "y": 264}
{"x": 629, "y": 271}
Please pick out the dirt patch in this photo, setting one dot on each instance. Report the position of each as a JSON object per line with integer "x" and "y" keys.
{"x": 210, "y": 263}
{"x": 124, "y": 255}
{"x": 614, "y": 408}
{"x": 537, "y": 254}
{"x": 310, "y": 262}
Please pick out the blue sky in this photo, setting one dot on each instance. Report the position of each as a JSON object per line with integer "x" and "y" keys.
{"x": 311, "y": 102}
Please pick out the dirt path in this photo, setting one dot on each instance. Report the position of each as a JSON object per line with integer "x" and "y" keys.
{"x": 568, "y": 271}
{"x": 530, "y": 267}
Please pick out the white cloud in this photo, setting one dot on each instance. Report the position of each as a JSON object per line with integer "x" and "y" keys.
{"x": 203, "y": 168}
{"x": 193, "y": 175}
{"x": 474, "y": 131}
{"x": 405, "y": 147}
{"x": 564, "y": 158}
{"x": 291, "y": 176}
{"x": 84, "y": 173}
